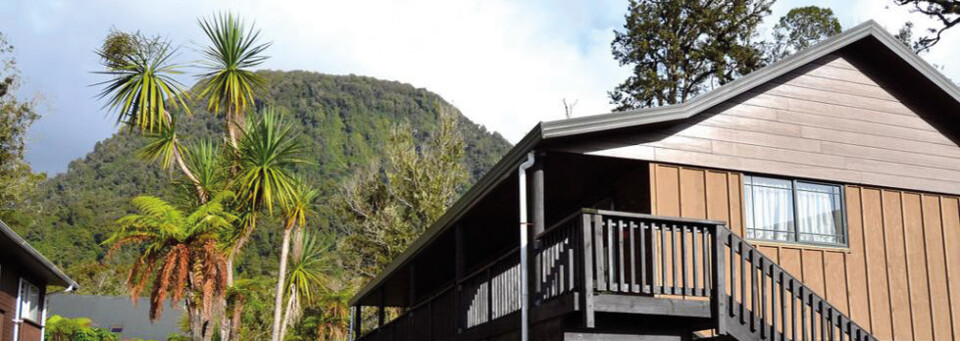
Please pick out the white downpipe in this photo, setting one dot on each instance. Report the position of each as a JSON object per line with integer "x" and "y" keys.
{"x": 46, "y": 301}
{"x": 352, "y": 336}
{"x": 524, "y": 225}
{"x": 16, "y": 311}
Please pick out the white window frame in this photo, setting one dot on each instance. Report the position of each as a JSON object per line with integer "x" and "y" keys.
{"x": 25, "y": 284}
{"x": 842, "y": 230}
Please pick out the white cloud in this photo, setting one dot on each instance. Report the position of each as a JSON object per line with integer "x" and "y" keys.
{"x": 505, "y": 64}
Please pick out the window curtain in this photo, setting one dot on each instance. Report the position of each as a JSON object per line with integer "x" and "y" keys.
{"x": 817, "y": 208}
{"x": 770, "y": 206}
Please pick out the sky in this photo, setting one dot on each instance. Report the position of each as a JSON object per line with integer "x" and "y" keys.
{"x": 505, "y": 64}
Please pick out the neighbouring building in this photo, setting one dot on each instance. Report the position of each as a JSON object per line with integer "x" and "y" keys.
{"x": 119, "y": 315}
{"x": 816, "y": 198}
{"x": 25, "y": 276}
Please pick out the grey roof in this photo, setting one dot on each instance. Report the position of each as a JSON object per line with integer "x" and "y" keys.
{"x": 545, "y": 131}
{"x": 33, "y": 261}
{"x": 118, "y": 311}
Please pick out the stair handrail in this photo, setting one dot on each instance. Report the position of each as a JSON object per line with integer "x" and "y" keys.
{"x": 724, "y": 306}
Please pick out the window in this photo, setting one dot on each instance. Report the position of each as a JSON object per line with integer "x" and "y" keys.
{"x": 794, "y": 211}
{"x": 29, "y": 301}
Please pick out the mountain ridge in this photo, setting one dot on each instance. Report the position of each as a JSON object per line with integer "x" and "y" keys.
{"x": 343, "y": 120}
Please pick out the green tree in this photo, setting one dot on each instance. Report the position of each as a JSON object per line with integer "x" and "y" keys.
{"x": 229, "y": 84}
{"x": 388, "y": 209}
{"x": 179, "y": 254}
{"x": 801, "y": 28}
{"x": 945, "y": 12}
{"x": 295, "y": 212}
{"x": 313, "y": 270}
{"x": 17, "y": 181}
{"x": 59, "y": 328}
{"x": 678, "y": 49}
{"x": 140, "y": 88}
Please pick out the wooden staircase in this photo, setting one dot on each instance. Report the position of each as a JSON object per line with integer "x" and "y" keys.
{"x": 627, "y": 263}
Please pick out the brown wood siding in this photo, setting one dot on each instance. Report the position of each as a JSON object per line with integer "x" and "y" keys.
{"x": 826, "y": 120}
{"x": 899, "y": 275}
{"x": 9, "y": 279}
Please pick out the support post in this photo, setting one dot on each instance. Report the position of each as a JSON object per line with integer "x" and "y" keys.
{"x": 357, "y": 322}
{"x": 381, "y": 314}
{"x": 458, "y": 276}
{"x": 719, "y": 301}
{"x": 537, "y": 213}
{"x": 586, "y": 238}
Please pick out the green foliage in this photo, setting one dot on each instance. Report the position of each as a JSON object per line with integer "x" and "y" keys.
{"x": 801, "y": 28}
{"x": 678, "y": 49}
{"x": 344, "y": 123}
{"x": 59, "y": 328}
{"x": 945, "y": 12}
{"x": 268, "y": 149}
{"x": 389, "y": 208}
{"x": 17, "y": 181}
{"x": 140, "y": 83}
{"x": 229, "y": 83}
{"x": 180, "y": 246}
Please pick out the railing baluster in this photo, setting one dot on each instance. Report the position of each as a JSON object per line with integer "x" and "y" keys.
{"x": 753, "y": 289}
{"x": 743, "y": 283}
{"x": 773, "y": 303}
{"x": 694, "y": 260}
{"x": 633, "y": 258}
{"x": 683, "y": 260}
{"x": 598, "y": 248}
{"x": 621, "y": 265}
{"x": 733, "y": 276}
{"x": 662, "y": 253}
{"x": 673, "y": 251}
{"x": 644, "y": 259}
{"x": 611, "y": 270}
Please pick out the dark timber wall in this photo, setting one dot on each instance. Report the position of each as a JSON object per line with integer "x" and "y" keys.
{"x": 900, "y": 275}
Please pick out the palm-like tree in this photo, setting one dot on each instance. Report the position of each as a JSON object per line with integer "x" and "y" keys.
{"x": 295, "y": 212}
{"x": 141, "y": 89}
{"x": 228, "y": 83}
{"x": 179, "y": 254}
{"x": 312, "y": 267}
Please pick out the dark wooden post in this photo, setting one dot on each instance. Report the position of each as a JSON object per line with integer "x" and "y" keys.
{"x": 458, "y": 276}
{"x": 536, "y": 208}
{"x": 587, "y": 266}
{"x": 357, "y": 321}
{"x": 413, "y": 284}
{"x": 719, "y": 301}
{"x": 381, "y": 313}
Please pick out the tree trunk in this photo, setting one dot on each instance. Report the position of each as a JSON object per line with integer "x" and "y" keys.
{"x": 288, "y": 312}
{"x": 195, "y": 319}
{"x": 278, "y": 302}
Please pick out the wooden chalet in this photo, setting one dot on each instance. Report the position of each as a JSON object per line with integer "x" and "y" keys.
{"x": 816, "y": 198}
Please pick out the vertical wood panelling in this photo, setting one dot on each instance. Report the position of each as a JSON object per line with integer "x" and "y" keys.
{"x": 896, "y": 265}
{"x": 916, "y": 267}
{"x": 936, "y": 268}
{"x": 857, "y": 295}
{"x": 950, "y": 214}
{"x": 834, "y": 271}
{"x": 875, "y": 253}
{"x": 899, "y": 276}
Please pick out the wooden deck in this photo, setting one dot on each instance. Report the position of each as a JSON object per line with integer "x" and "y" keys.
{"x": 629, "y": 276}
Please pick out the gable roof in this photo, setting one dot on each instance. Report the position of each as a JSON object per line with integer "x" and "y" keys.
{"x": 552, "y": 130}
{"x": 31, "y": 260}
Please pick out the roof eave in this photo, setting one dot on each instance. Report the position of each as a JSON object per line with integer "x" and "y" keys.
{"x": 29, "y": 250}
{"x": 499, "y": 172}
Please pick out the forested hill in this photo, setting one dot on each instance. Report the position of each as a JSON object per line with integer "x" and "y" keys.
{"x": 343, "y": 120}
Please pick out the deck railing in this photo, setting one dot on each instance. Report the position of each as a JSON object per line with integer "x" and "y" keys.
{"x": 594, "y": 252}
{"x": 491, "y": 292}
{"x": 640, "y": 254}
